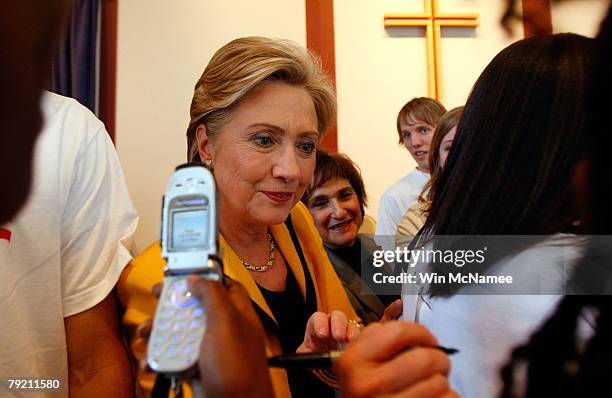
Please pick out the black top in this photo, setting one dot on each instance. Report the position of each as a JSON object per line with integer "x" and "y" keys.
{"x": 351, "y": 255}
{"x": 355, "y": 256}
{"x": 289, "y": 309}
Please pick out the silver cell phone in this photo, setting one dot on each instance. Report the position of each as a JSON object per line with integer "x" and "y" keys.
{"x": 189, "y": 240}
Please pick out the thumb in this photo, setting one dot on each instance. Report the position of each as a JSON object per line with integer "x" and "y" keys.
{"x": 211, "y": 294}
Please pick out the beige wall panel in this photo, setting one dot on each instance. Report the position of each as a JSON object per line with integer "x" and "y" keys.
{"x": 579, "y": 16}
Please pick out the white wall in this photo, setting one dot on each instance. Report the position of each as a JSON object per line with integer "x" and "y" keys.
{"x": 394, "y": 59}
{"x": 579, "y": 16}
{"x": 164, "y": 45}
{"x": 378, "y": 70}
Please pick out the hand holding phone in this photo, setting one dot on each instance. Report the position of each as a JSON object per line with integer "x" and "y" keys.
{"x": 233, "y": 356}
{"x": 189, "y": 236}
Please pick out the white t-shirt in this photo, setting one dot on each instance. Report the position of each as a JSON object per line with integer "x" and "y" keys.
{"x": 397, "y": 200}
{"x": 485, "y": 326}
{"x": 67, "y": 247}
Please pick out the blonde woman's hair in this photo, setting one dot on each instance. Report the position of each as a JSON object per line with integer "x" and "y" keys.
{"x": 239, "y": 67}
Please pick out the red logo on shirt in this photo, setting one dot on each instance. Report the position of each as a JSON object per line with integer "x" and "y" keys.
{"x": 5, "y": 234}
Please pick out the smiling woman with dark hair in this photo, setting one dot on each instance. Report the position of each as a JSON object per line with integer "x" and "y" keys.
{"x": 336, "y": 199}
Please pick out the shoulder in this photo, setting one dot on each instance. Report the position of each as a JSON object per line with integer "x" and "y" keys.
{"x": 68, "y": 116}
{"x": 151, "y": 256}
{"x": 56, "y": 106}
{"x": 144, "y": 271}
{"x": 411, "y": 221}
{"x": 412, "y": 181}
{"x": 368, "y": 243}
{"x": 395, "y": 188}
{"x": 417, "y": 175}
{"x": 554, "y": 250}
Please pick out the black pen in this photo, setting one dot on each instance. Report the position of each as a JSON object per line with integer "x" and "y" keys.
{"x": 322, "y": 360}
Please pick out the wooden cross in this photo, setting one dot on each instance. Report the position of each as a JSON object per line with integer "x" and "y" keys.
{"x": 432, "y": 19}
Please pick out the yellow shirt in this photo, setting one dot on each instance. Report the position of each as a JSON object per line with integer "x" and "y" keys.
{"x": 410, "y": 225}
{"x": 147, "y": 269}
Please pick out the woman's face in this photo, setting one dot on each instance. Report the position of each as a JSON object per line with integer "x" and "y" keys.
{"x": 445, "y": 146}
{"x": 336, "y": 212}
{"x": 264, "y": 156}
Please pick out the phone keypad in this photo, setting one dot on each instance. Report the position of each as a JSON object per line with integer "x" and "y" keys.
{"x": 178, "y": 328}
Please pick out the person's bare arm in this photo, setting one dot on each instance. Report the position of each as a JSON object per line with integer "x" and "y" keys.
{"x": 98, "y": 364}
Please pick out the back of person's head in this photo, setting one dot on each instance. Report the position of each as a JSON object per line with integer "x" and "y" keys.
{"x": 421, "y": 109}
{"x": 599, "y": 139}
{"x": 447, "y": 122}
{"x": 520, "y": 133}
{"x": 337, "y": 166}
{"x": 558, "y": 343}
{"x": 239, "y": 67}
{"x": 29, "y": 34}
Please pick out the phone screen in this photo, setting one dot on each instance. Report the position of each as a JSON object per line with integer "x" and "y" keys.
{"x": 189, "y": 226}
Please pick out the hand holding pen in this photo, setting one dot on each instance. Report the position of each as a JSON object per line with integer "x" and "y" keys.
{"x": 391, "y": 359}
{"x": 397, "y": 357}
{"x": 394, "y": 359}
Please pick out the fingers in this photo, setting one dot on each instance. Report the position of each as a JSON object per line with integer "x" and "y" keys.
{"x": 157, "y": 289}
{"x": 392, "y": 349}
{"x": 211, "y": 294}
{"x": 333, "y": 326}
{"x": 393, "y": 311}
{"x": 144, "y": 329}
{"x": 318, "y": 325}
{"x": 229, "y": 300}
{"x": 339, "y": 326}
{"x": 354, "y": 329}
{"x": 327, "y": 331}
{"x": 239, "y": 297}
{"x": 383, "y": 341}
{"x": 144, "y": 365}
{"x": 436, "y": 386}
{"x": 417, "y": 366}
{"x": 318, "y": 334}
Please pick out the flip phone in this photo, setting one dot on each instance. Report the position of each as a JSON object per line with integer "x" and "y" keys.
{"x": 189, "y": 240}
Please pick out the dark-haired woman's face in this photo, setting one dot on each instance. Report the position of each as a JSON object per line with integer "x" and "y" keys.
{"x": 445, "y": 146}
{"x": 336, "y": 212}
